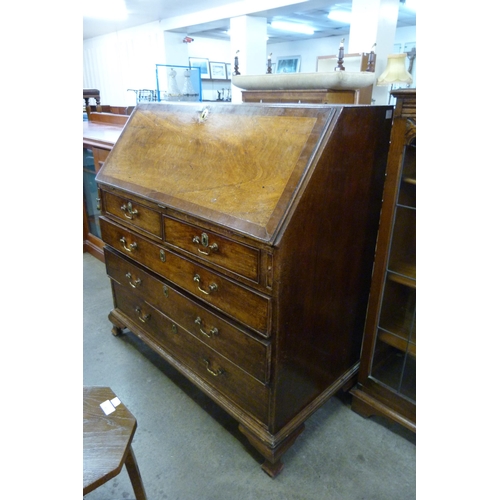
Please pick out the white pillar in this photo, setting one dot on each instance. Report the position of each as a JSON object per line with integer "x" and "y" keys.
{"x": 249, "y": 37}
{"x": 374, "y": 21}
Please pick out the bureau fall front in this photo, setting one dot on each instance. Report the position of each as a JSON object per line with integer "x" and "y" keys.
{"x": 239, "y": 245}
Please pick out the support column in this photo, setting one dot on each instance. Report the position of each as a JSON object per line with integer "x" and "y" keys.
{"x": 374, "y": 21}
{"x": 249, "y": 36}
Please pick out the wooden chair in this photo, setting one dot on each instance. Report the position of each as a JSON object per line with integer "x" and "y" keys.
{"x": 92, "y": 94}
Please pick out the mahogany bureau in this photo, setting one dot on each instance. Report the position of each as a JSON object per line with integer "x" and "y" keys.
{"x": 239, "y": 239}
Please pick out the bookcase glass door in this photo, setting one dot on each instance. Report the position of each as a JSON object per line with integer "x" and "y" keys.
{"x": 395, "y": 351}
{"x": 90, "y": 192}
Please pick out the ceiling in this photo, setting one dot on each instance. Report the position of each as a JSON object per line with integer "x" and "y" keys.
{"x": 313, "y": 13}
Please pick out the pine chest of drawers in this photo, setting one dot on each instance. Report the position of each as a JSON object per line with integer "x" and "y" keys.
{"x": 240, "y": 243}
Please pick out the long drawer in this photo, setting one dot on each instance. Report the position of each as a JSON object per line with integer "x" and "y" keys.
{"x": 236, "y": 385}
{"x": 238, "y": 302}
{"x": 249, "y": 353}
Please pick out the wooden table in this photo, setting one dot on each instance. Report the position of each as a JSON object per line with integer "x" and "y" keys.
{"x": 107, "y": 441}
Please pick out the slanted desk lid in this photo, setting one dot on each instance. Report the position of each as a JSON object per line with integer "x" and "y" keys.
{"x": 238, "y": 165}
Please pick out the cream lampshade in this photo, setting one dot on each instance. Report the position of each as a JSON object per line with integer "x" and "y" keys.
{"x": 396, "y": 71}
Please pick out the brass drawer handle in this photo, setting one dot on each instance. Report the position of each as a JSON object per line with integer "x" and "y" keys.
{"x": 144, "y": 318}
{"x": 215, "y": 373}
{"x": 128, "y": 211}
{"x": 130, "y": 248}
{"x": 212, "y": 287}
{"x": 132, "y": 283}
{"x": 213, "y": 331}
{"x": 204, "y": 242}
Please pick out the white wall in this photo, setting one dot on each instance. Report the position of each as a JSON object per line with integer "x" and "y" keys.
{"x": 127, "y": 59}
{"x": 123, "y": 60}
{"x": 216, "y": 51}
{"x": 404, "y": 40}
{"x": 308, "y": 50}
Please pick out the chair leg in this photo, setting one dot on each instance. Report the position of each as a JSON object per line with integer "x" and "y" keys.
{"x": 135, "y": 475}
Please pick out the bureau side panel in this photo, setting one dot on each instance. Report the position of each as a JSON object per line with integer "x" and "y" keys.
{"x": 324, "y": 259}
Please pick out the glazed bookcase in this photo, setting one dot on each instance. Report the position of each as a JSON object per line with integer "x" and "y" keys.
{"x": 387, "y": 377}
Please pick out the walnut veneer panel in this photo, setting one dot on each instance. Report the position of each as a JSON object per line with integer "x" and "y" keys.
{"x": 238, "y": 165}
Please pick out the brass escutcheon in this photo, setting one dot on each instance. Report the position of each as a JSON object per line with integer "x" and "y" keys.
{"x": 204, "y": 242}
{"x": 203, "y": 115}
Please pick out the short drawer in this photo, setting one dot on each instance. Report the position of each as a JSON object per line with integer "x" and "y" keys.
{"x": 250, "y": 354}
{"x": 236, "y": 385}
{"x": 212, "y": 247}
{"x": 133, "y": 213}
{"x": 246, "y": 306}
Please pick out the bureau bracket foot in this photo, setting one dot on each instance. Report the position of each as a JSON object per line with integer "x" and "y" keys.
{"x": 116, "y": 331}
{"x": 118, "y": 326}
{"x": 272, "y": 465}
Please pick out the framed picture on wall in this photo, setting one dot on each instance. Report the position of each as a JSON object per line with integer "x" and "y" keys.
{"x": 202, "y": 64}
{"x": 229, "y": 71}
{"x": 288, "y": 64}
{"x": 218, "y": 70}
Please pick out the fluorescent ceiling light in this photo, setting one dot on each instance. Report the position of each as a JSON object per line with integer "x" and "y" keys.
{"x": 105, "y": 9}
{"x": 295, "y": 28}
{"x": 411, "y": 5}
{"x": 342, "y": 16}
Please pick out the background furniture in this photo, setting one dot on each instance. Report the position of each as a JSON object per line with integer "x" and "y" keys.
{"x": 387, "y": 376}
{"x": 240, "y": 242}
{"x": 115, "y": 110}
{"x": 107, "y": 441}
{"x": 100, "y": 133}
{"x": 316, "y": 96}
{"x": 92, "y": 94}
{"x": 351, "y": 62}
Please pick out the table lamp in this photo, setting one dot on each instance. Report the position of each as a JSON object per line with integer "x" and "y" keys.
{"x": 395, "y": 72}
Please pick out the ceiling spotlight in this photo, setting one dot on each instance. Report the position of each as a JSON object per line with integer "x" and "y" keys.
{"x": 293, "y": 27}
{"x": 342, "y": 16}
